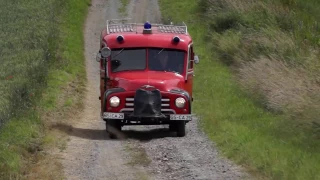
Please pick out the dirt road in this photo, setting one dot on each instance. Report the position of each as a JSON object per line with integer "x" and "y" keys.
{"x": 150, "y": 152}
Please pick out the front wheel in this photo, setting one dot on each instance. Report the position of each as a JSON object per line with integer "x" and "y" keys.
{"x": 173, "y": 127}
{"x": 113, "y": 127}
{"x": 181, "y": 128}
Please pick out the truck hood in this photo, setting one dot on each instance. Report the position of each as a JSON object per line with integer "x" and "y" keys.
{"x": 164, "y": 81}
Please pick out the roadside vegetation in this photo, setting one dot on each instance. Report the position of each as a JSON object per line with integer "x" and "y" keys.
{"x": 42, "y": 64}
{"x": 257, "y": 87}
{"x": 123, "y": 7}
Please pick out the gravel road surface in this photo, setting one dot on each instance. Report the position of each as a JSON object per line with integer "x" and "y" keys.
{"x": 144, "y": 152}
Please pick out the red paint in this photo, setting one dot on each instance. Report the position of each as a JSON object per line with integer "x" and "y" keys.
{"x": 133, "y": 80}
{"x": 156, "y": 39}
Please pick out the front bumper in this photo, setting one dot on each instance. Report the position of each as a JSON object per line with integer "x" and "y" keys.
{"x": 126, "y": 118}
{"x": 149, "y": 106}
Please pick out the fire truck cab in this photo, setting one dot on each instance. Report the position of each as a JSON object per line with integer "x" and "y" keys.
{"x": 146, "y": 75}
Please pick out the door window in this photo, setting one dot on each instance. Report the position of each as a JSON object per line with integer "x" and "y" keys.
{"x": 190, "y": 57}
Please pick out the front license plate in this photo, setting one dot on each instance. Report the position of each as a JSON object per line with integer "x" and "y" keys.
{"x": 108, "y": 115}
{"x": 182, "y": 117}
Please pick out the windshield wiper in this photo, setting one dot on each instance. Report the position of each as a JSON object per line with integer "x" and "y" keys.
{"x": 118, "y": 53}
{"x": 160, "y": 51}
{"x": 173, "y": 71}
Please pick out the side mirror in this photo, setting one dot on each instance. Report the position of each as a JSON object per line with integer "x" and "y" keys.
{"x": 98, "y": 57}
{"x": 103, "y": 53}
{"x": 196, "y": 59}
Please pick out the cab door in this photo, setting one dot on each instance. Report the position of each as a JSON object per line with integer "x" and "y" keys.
{"x": 190, "y": 72}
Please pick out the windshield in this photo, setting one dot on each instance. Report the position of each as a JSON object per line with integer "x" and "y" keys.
{"x": 128, "y": 59}
{"x": 166, "y": 60}
{"x": 160, "y": 59}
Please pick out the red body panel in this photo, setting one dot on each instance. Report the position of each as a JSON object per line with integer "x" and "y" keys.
{"x": 131, "y": 81}
{"x": 160, "y": 40}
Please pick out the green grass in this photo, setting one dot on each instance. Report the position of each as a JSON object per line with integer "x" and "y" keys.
{"x": 138, "y": 156}
{"x": 25, "y": 31}
{"x": 41, "y": 54}
{"x": 19, "y": 138}
{"x": 268, "y": 144}
{"x": 123, "y": 7}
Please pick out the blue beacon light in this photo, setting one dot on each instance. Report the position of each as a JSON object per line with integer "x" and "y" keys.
{"x": 147, "y": 28}
{"x": 147, "y": 25}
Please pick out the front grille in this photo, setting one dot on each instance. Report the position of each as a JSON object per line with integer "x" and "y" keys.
{"x": 165, "y": 106}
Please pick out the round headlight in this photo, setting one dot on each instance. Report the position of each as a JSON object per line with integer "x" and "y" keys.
{"x": 105, "y": 52}
{"x": 114, "y": 101}
{"x": 180, "y": 102}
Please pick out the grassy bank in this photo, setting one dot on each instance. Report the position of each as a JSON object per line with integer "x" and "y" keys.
{"x": 274, "y": 46}
{"x": 268, "y": 144}
{"x": 42, "y": 63}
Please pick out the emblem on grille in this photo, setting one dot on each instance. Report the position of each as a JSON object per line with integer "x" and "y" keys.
{"x": 147, "y": 86}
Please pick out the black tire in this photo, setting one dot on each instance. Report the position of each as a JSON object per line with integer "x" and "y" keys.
{"x": 181, "y": 128}
{"x": 172, "y": 127}
{"x": 112, "y": 127}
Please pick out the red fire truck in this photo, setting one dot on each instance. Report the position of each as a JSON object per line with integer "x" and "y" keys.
{"x": 146, "y": 75}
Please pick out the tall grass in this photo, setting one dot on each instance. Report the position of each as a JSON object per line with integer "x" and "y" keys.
{"x": 239, "y": 40}
{"x": 274, "y": 46}
{"x": 41, "y": 53}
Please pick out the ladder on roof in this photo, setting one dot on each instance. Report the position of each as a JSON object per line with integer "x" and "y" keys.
{"x": 173, "y": 29}
{"x": 121, "y": 25}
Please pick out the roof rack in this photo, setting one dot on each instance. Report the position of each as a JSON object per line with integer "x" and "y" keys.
{"x": 122, "y": 25}
{"x": 119, "y": 25}
{"x": 173, "y": 28}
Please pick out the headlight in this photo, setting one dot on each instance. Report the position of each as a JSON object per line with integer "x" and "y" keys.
{"x": 114, "y": 101}
{"x": 180, "y": 102}
{"x": 105, "y": 52}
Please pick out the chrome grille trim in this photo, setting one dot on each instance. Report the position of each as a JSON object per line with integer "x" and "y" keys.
{"x": 163, "y": 105}
{"x": 162, "y": 110}
{"x": 163, "y": 99}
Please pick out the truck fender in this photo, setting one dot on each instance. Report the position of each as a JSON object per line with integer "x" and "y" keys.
{"x": 109, "y": 92}
{"x": 183, "y": 93}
